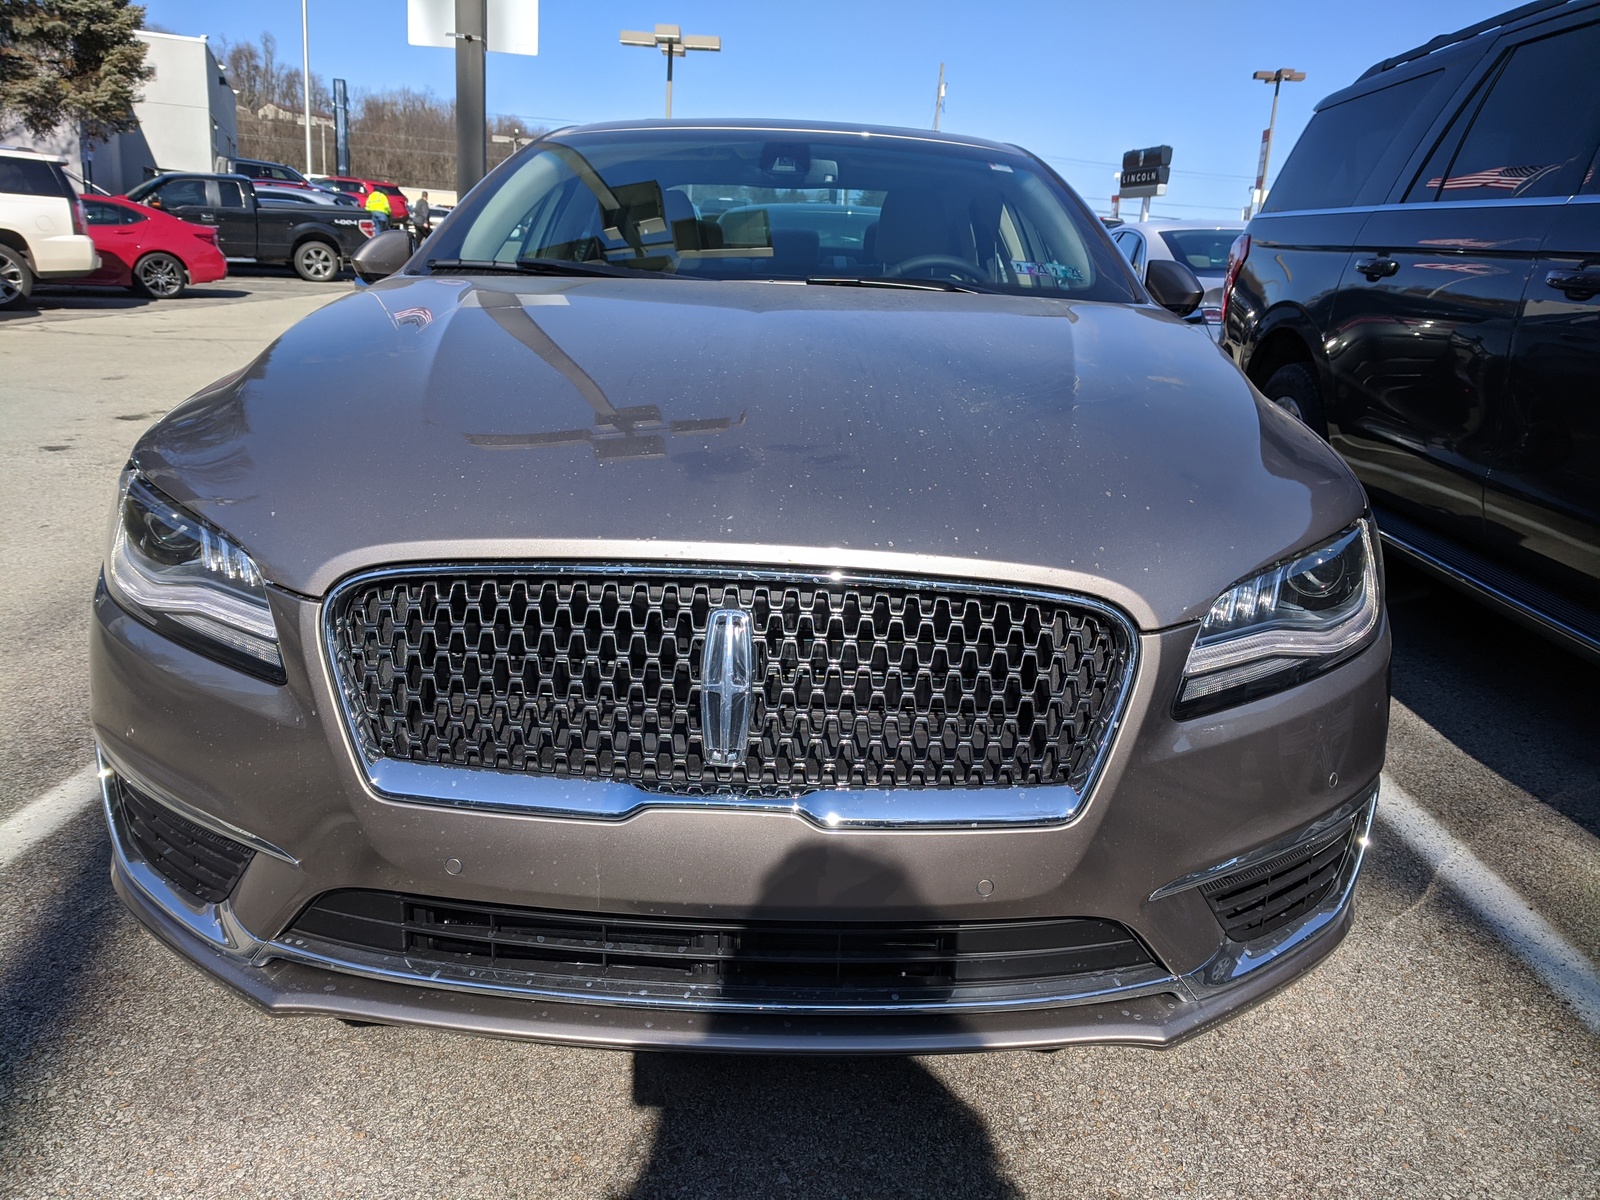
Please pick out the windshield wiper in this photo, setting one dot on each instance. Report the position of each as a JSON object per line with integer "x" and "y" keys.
{"x": 531, "y": 266}
{"x": 916, "y": 285}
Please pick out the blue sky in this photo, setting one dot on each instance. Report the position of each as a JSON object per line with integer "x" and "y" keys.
{"x": 1075, "y": 81}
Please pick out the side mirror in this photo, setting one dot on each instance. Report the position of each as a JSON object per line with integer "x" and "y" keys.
{"x": 1172, "y": 285}
{"x": 383, "y": 255}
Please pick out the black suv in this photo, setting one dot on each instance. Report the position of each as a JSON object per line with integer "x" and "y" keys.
{"x": 1422, "y": 287}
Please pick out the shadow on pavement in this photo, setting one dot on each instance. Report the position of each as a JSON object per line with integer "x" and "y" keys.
{"x": 1524, "y": 708}
{"x": 797, "y": 1127}
{"x": 741, "y": 1126}
{"x": 49, "y": 967}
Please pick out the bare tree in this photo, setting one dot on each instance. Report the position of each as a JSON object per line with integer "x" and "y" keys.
{"x": 397, "y": 134}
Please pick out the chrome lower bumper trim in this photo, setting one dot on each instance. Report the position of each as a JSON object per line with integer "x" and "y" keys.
{"x": 397, "y": 969}
{"x": 1346, "y": 814}
{"x": 214, "y": 924}
{"x": 109, "y": 762}
{"x": 1237, "y": 959}
{"x": 217, "y": 927}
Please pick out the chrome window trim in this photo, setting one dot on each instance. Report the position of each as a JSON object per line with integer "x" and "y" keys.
{"x": 1425, "y": 205}
{"x": 608, "y": 800}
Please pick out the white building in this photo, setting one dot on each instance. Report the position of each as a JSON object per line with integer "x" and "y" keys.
{"x": 185, "y": 113}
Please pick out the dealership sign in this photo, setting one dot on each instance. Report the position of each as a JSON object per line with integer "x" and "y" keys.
{"x": 1146, "y": 172}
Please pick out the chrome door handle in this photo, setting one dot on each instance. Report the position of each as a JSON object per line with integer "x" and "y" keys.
{"x": 1377, "y": 268}
{"x": 1578, "y": 285}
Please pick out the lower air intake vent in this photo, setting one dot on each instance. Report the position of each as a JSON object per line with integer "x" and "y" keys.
{"x": 197, "y": 862}
{"x": 1263, "y": 899}
{"x": 648, "y": 960}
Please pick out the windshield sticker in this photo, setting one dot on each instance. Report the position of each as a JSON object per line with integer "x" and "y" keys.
{"x": 1001, "y": 167}
{"x": 1053, "y": 269}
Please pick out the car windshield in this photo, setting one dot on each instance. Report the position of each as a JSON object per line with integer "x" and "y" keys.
{"x": 780, "y": 205}
{"x": 1202, "y": 250}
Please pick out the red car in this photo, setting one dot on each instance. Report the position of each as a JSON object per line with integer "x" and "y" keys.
{"x": 399, "y": 210}
{"x": 149, "y": 251}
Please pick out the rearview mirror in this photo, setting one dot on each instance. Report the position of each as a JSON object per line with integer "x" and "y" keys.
{"x": 1173, "y": 286}
{"x": 381, "y": 256}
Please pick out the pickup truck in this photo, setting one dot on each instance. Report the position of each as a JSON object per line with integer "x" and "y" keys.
{"x": 314, "y": 240}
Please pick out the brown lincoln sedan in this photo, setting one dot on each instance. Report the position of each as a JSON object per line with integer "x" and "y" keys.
{"x": 745, "y": 586}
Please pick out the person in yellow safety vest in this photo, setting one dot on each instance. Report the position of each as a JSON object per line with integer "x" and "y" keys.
{"x": 379, "y": 203}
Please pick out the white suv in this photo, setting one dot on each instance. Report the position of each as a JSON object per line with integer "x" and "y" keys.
{"x": 42, "y": 228}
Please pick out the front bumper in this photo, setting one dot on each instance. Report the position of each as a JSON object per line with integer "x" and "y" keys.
{"x": 270, "y": 765}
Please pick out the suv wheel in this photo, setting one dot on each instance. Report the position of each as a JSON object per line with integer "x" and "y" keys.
{"x": 159, "y": 276}
{"x": 1294, "y": 389}
{"x": 16, "y": 280}
{"x": 316, "y": 262}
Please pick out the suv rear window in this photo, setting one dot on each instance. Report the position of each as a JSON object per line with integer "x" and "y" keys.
{"x": 31, "y": 177}
{"x": 1532, "y": 135}
{"x": 1336, "y": 154}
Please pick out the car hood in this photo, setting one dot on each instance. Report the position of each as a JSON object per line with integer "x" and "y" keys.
{"x": 1097, "y": 447}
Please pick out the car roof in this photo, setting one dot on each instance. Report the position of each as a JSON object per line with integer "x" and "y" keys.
{"x": 19, "y": 152}
{"x": 763, "y": 125}
{"x": 1450, "y": 48}
{"x": 1524, "y": 12}
{"x": 199, "y": 175}
{"x": 1158, "y": 224}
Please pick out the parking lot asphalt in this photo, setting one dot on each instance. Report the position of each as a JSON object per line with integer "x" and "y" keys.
{"x": 1424, "y": 1057}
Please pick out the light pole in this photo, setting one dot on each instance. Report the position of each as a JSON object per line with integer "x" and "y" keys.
{"x": 673, "y": 44}
{"x": 1277, "y": 79}
{"x": 305, "y": 74}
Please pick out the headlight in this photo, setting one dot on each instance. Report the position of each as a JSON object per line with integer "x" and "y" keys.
{"x": 1285, "y": 625}
{"x": 190, "y": 581}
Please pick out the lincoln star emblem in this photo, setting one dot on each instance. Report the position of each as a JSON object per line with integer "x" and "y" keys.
{"x": 727, "y": 679}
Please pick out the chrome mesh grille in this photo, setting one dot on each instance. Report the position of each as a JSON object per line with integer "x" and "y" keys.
{"x": 860, "y": 683}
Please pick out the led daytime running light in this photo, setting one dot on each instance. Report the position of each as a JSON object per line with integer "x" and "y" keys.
{"x": 1270, "y": 625}
{"x": 208, "y": 586}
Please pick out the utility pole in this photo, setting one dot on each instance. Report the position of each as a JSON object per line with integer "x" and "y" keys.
{"x": 305, "y": 74}
{"x": 1277, "y": 79}
{"x": 938, "y": 99}
{"x": 471, "y": 38}
{"x": 673, "y": 43}
{"x": 341, "y": 128}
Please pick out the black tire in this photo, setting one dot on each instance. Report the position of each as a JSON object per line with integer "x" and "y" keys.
{"x": 316, "y": 261}
{"x": 1294, "y": 389}
{"x": 16, "y": 278}
{"x": 160, "y": 276}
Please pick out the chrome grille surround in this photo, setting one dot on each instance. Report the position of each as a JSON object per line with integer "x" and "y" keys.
{"x": 863, "y": 767}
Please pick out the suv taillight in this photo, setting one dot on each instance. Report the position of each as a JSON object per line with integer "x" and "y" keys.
{"x": 1237, "y": 253}
{"x": 80, "y": 223}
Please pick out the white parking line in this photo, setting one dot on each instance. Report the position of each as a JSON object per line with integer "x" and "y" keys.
{"x": 26, "y": 828}
{"x": 1562, "y": 966}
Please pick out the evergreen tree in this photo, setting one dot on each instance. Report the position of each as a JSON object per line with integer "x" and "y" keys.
{"x": 70, "y": 61}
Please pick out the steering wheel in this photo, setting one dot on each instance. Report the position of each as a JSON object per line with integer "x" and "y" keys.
{"x": 959, "y": 267}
